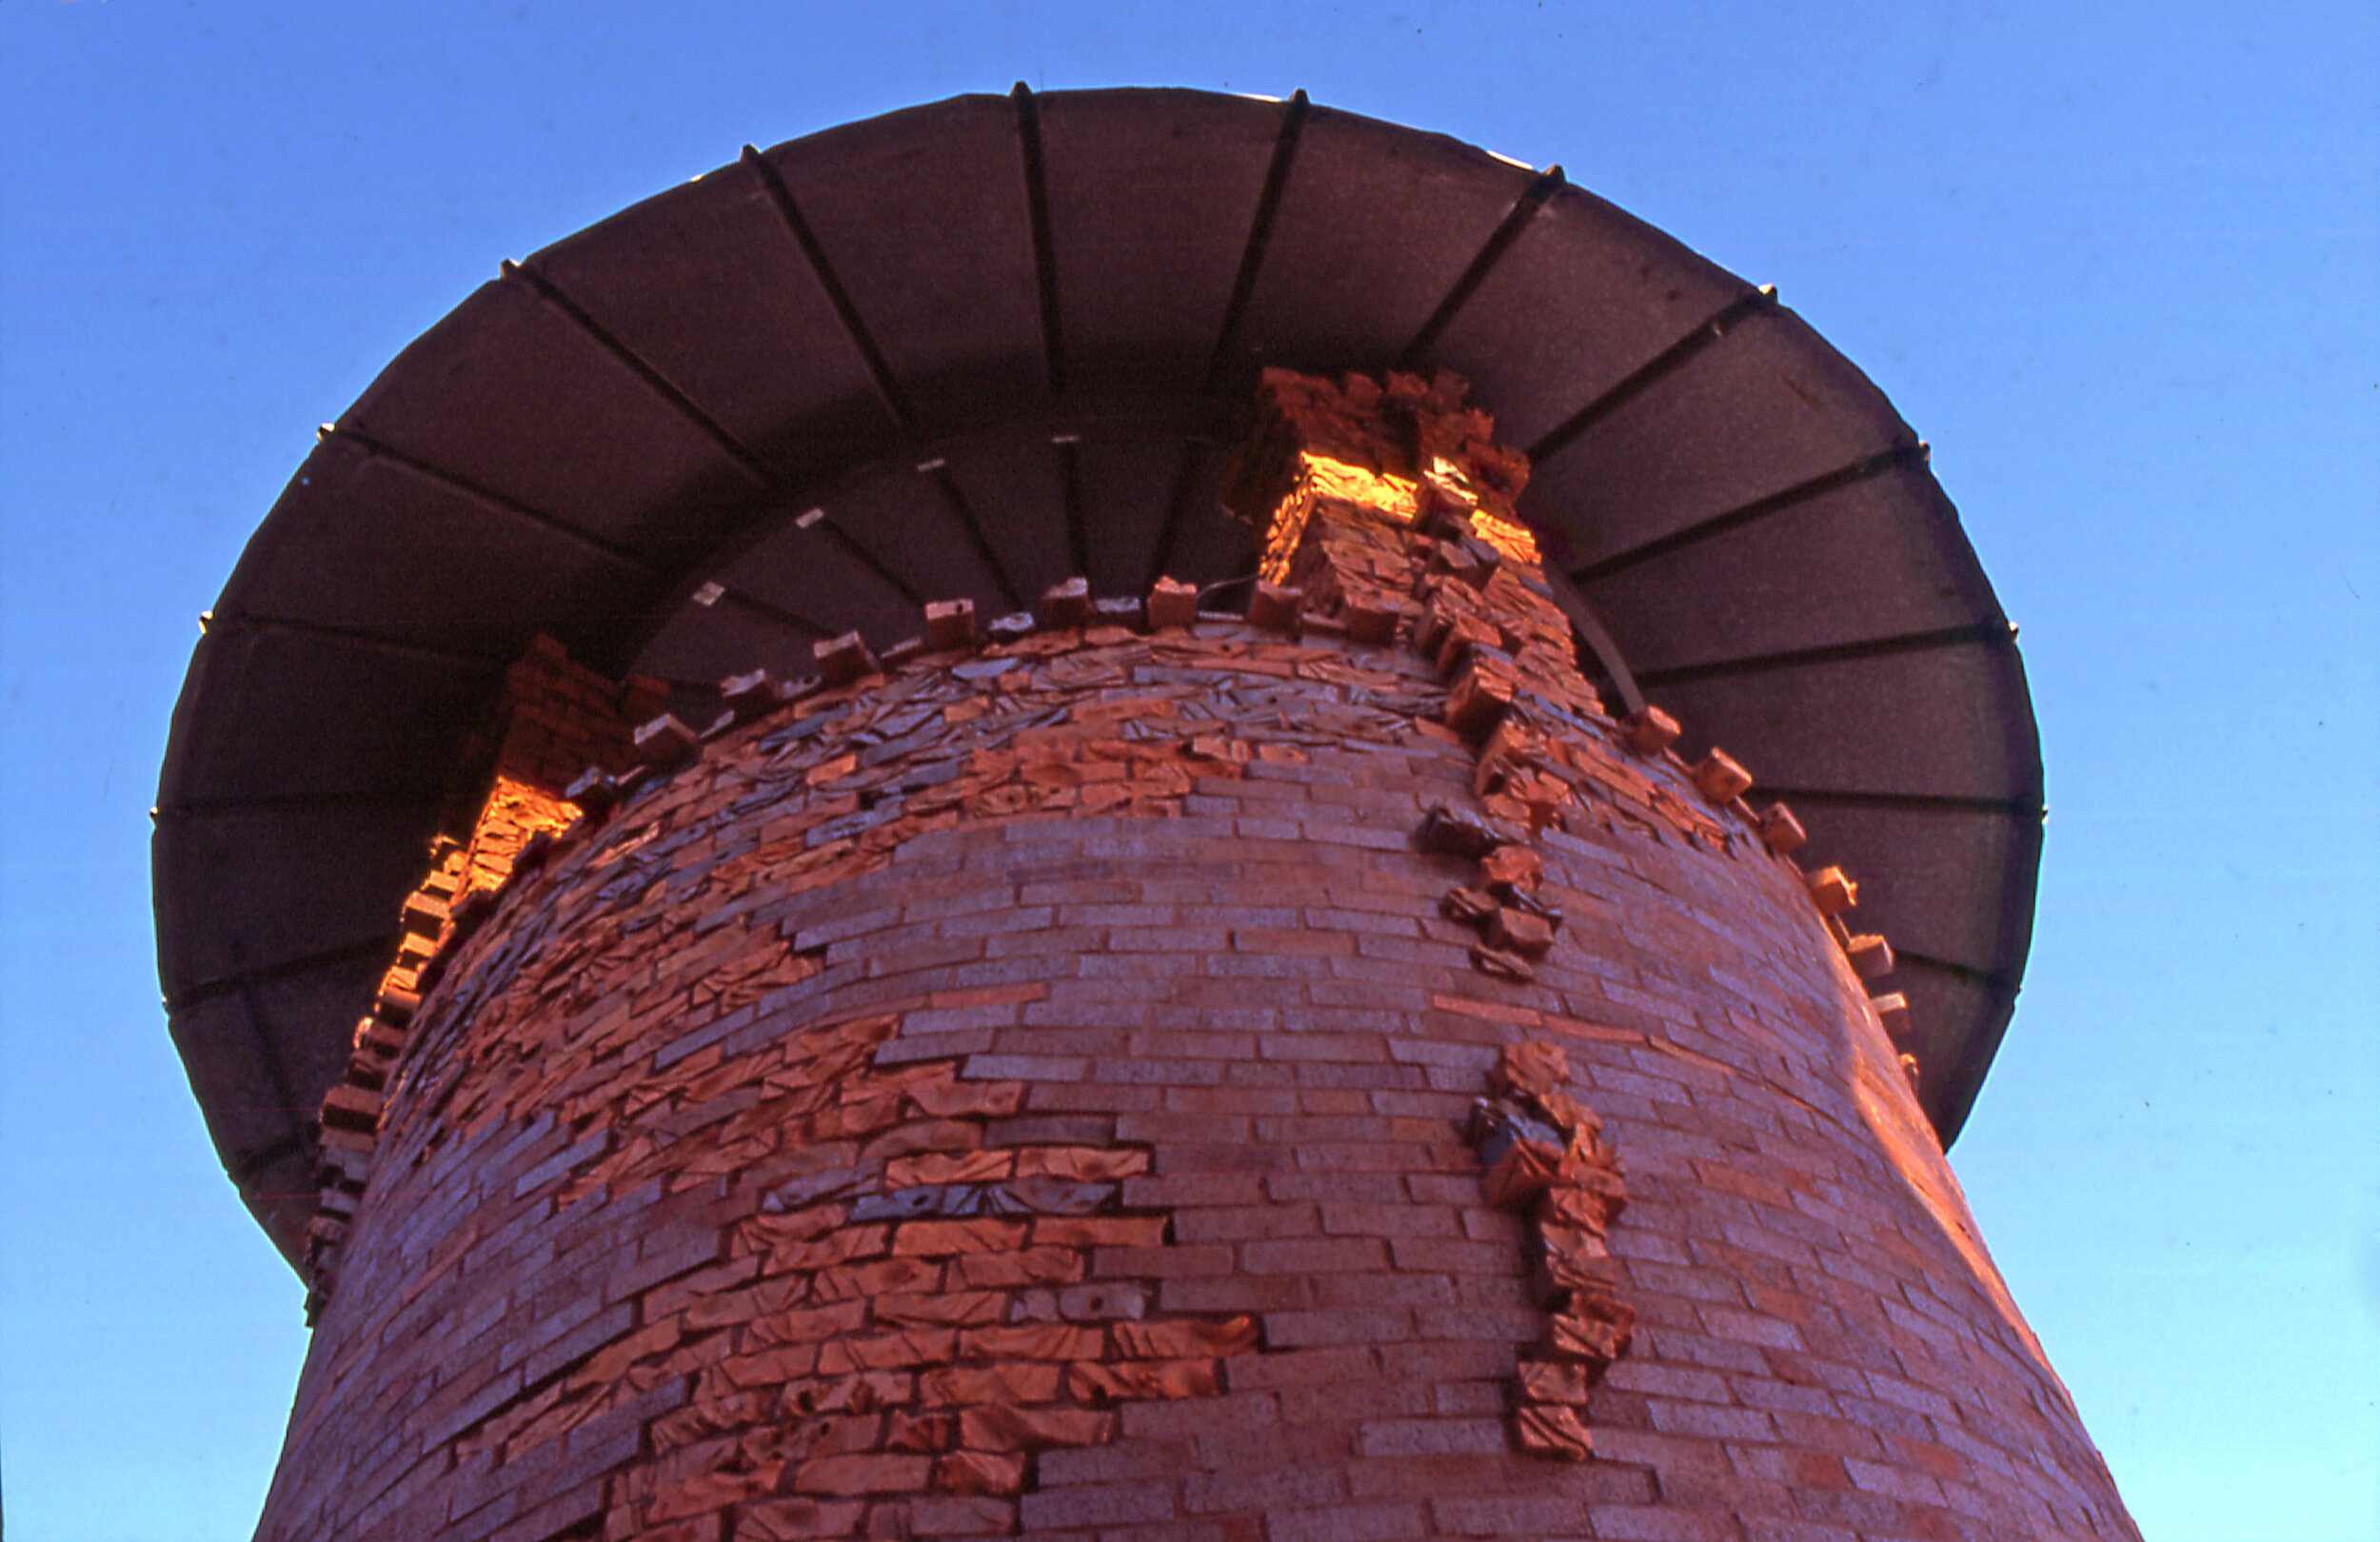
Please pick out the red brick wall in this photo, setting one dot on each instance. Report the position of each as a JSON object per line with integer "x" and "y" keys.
{"x": 1150, "y": 909}
{"x": 1172, "y": 1084}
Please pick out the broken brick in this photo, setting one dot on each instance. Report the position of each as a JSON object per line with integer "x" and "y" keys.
{"x": 1065, "y": 604}
{"x": 666, "y": 743}
{"x": 1519, "y": 931}
{"x": 1554, "y": 1431}
{"x": 842, "y": 660}
{"x": 979, "y": 1472}
{"x": 1274, "y": 606}
{"x": 1004, "y": 1427}
{"x": 1509, "y": 870}
{"x": 949, "y": 624}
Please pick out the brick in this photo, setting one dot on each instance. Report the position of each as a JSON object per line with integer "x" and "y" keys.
{"x": 978, "y": 1473}
{"x": 1180, "y": 1339}
{"x": 1001, "y": 1428}
{"x": 940, "y": 1239}
{"x": 1428, "y": 1437}
{"x": 1346, "y": 1523}
{"x": 841, "y": 1476}
{"x": 1013, "y": 1381}
{"x": 1028, "y": 1266}
{"x": 1033, "y": 1342}
{"x": 950, "y": 623}
{"x": 961, "y": 1514}
{"x": 1098, "y": 1231}
{"x": 1097, "y": 1384}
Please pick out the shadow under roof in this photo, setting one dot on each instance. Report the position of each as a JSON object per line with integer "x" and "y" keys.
{"x": 1001, "y": 339}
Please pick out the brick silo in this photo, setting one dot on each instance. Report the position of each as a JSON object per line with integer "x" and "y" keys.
{"x": 958, "y": 834}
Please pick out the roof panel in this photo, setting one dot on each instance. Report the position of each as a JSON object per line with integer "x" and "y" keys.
{"x": 509, "y": 394}
{"x": 957, "y": 320}
{"x": 1766, "y": 406}
{"x": 1881, "y": 557}
{"x": 1151, "y": 194}
{"x": 364, "y": 542}
{"x": 707, "y": 284}
{"x": 1376, "y": 225}
{"x": 292, "y": 882}
{"x": 1926, "y": 723}
{"x": 1584, "y": 297}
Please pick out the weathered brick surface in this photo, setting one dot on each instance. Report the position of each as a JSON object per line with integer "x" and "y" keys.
{"x": 1029, "y": 1089}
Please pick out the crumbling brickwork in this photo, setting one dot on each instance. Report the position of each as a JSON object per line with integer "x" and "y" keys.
{"x": 1127, "y": 1073}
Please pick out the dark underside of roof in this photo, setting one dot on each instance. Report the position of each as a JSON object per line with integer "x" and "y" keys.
{"x": 975, "y": 348}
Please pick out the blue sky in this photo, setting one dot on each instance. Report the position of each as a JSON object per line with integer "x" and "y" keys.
{"x": 2117, "y": 262}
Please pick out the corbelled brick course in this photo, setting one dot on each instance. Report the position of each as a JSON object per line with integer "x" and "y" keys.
{"x": 1174, "y": 1084}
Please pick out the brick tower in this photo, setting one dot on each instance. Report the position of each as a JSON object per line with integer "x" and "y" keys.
{"x": 887, "y": 1012}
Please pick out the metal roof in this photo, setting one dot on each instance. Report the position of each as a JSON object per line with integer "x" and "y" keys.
{"x": 974, "y": 348}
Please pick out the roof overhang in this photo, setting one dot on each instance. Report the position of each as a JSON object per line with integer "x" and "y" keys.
{"x": 974, "y": 348}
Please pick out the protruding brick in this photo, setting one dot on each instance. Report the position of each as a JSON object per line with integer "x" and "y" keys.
{"x": 1501, "y": 964}
{"x": 1511, "y": 870}
{"x": 980, "y": 1473}
{"x": 1372, "y": 623}
{"x": 666, "y": 743}
{"x": 1553, "y": 1431}
{"x": 1891, "y": 1011}
{"x": 1532, "y": 1069}
{"x": 949, "y": 624}
{"x": 1649, "y": 730}
{"x": 1556, "y": 1381}
{"x": 1480, "y": 697}
{"x": 1719, "y": 780}
{"x": 1780, "y": 832}
{"x": 1521, "y": 1174}
{"x": 1519, "y": 931}
{"x": 1172, "y": 603}
{"x": 1831, "y": 891}
{"x": 1065, "y": 604}
{"x": 750, "y": 697}
{"x": 1871, "y": 955}
{"x": 348, "y": 1107}
{"x": 1274, "y": 606}
{"x": 1592, "y": 1328}
{"x": 842, "y": 660}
